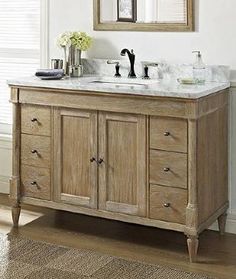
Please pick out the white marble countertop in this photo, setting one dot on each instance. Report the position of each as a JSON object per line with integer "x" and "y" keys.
{"x": 152, "y": 88}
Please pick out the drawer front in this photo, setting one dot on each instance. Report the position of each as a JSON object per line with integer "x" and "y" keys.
{"x": 168, "y": 204}
{"x": 35, "y": 120}
{"x": 168, "y": 134}
{"x": 35, "y": 182}
{"x": 35, "y": 151}
{"x": 168, "y": 168}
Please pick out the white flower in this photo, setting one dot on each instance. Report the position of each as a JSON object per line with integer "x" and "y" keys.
{"x": 78, "y": 39}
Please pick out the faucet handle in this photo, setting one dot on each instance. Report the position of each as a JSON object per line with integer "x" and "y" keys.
{"x": 151, "y": 64}
{"x": 146, "y": 76}
{"x": 111, "y": 62}
{"x": 117, "y": 67}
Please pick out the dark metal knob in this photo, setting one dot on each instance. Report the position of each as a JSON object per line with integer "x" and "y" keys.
{"x": 166, "y": 169}
{"x": 166, "y": 134}
{"x": 100, "y": 161}
{"x": 166, "y": 204}
{"x": 34, "y": 151}
{"x": 33, "y": 183}
{"x": 34, "y": 120}
{"x": 92, "y": 160}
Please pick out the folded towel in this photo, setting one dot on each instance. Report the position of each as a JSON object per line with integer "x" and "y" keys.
{"x": 49, "y": 72}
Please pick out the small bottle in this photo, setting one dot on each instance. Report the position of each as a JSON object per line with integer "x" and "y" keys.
{"x": 199, "y": 69}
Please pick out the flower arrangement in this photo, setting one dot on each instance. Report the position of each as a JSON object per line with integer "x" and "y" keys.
{"x": 80, "y": 40}
{"x": 73, "y": 43}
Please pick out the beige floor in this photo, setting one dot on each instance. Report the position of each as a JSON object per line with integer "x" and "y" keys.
{"x": 217, "y": 254}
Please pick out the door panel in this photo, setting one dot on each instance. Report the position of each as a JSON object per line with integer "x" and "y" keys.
{"x": 122, "y": 175}
{"x": 76, "y": 144}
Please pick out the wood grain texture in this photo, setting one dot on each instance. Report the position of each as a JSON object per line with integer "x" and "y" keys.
{"x": 122, "y": 176}
{"x": 193, "y": 244}
{"x": 125, "y": 103}
{"x": 43, "y": 147}
{"x": 222, "y": 223}
{"x": 105, "y": 214}
{"x": 192, "y": 207}
{"x": 177, "y": 200}
{"x": 16, "y": 143}
{"x": 177, "y": 175}
{"x": 168, "y": 134}
{"x": 42, "y": 123}
{"x": 121, "y": 137}
{"x": 212, "y": 158}
{"x": 149, "y": 27}
{"x": 41, "y": 176}
{"x": 76, "y": 145}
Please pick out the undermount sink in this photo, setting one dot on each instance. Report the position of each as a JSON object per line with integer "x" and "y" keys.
{"x": 124, "y": 81}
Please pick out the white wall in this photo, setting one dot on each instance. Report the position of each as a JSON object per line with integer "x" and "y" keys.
{"x": 215, "y": 34}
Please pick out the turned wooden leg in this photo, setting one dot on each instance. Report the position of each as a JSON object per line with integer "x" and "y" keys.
{"x": 222, "y": 222}
{"x": 192, "y": 242}
{"x": 15, "y": 215}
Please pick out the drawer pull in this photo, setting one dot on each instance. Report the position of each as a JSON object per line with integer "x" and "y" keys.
{"x": 34, "y": 120}
{"x": 34, "y": 183}
{"x": 166, "y": 204}
{"x": 100, "y": 161}
{"x": 93, "y": 160}
{"x": 167, "y": 134}
{"x": 34, "y": 151}
{"x": 166, "y": 169}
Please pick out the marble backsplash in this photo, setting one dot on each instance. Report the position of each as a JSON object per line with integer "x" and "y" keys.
{"x": 100, "y": 67}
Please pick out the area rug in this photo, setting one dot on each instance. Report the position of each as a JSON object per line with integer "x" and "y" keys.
{"x": 24, "y": 258}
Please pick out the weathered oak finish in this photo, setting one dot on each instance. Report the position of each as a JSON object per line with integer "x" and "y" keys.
{"x": 15, "y": 178}
{"x": 168, "y": 168}
{"x": 75, "y": 134}
{"x": 212, "y": 148}
{"x": 35, "y": 120}
{"x": 35, "y": 151}
{"x": 105, "y": 156}
{"x": 122, "y": 175}
{"x": 169, "y": 134}
{"x": 168, "y": 204}
{"x": 35, "y": 182}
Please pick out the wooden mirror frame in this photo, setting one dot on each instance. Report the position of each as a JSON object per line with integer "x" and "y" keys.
{"x": 151, "y": 27}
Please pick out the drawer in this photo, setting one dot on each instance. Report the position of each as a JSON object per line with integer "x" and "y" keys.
{"x": 35, "y": 120}
{"x": 168, "y": 134}
{"x": 35, "y": 151}
{"x": 168, "y": 204}
{"x": 168, "y": 168}
{"x": 35, "y": 182}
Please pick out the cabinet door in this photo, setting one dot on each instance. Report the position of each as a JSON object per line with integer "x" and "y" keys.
{"x": 75, "y": 141}
{"x": 122, "y": 174}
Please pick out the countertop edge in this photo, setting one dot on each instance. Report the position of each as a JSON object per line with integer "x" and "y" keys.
{"x": 88, "y": 88}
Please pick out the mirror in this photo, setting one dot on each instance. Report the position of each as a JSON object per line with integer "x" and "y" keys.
{"x": 143, "y": 15}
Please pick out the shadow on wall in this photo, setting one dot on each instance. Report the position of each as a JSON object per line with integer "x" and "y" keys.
{"x": 103, "y": 49}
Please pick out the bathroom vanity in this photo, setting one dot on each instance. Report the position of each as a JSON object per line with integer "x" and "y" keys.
{"x": 153, "y": 155}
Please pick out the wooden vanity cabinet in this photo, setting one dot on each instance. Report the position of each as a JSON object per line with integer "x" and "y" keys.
{"x": 102, "y": 148}
{"x": 75, "y": 144}
{"x": 154, "y": 161}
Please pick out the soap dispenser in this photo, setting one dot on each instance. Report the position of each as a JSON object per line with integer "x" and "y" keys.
{"x": 199, "y": 68}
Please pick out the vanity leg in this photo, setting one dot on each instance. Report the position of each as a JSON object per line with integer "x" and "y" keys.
{"x": 221, "y": 223}
{"x": 193, "y": 243}
{"x": 16, "y": 209}
{"x": 15, "y": 179}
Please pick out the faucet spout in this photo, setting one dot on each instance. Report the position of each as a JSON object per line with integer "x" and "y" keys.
{"x": 131, "y": 56}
